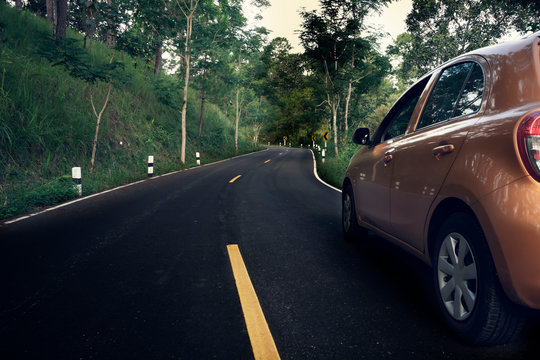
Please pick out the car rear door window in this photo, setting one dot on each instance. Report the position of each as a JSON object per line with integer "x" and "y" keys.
{"x": 458, "y": 92}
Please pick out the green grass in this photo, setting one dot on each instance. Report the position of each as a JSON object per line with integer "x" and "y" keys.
{"x": 47, "y": 125}
{"x": 333, "y": 169}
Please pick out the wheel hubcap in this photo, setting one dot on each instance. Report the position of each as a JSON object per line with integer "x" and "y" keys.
{"x": 347, "y": 210}
{"x": 457, "y": 276}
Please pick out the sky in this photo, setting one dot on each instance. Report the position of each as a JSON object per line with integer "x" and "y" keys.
{"x": 282, "y": 18}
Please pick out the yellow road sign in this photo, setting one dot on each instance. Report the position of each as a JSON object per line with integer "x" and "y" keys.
{"x": 325, "y": 136}
{"x": 313, "y": 138}
{"x": 284, "y": 139}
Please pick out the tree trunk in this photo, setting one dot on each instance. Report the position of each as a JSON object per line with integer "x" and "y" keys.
{"x": 158, "y": 60}
{"x": 110, "y": 36}
{"x": 237, "y": 120}
{"x": 347, "y": 102}
{"x": 256, "y": 131}
{"x": 335, "y": 107}
{"x": 203, "y": 100}
{"x": 186, "y": 86}
{"x": 51, "y": 10}
{"x": 89, "y": 29}
{"x": 98, "y": 121}
{"x": 61, "y": 21}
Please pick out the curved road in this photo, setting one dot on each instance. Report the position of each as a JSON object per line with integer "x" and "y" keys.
{"x": 143, "y": 272}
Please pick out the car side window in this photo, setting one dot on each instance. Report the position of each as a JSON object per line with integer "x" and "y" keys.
{"x": 458, "y": 92}
{"x": 396, "y": 122}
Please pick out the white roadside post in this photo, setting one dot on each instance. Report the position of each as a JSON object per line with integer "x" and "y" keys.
{"x": 150, "y": 166}
{"x": 323, "y": 155}
{"x": 76, "y": 175}
{"x": 198, "y": 157}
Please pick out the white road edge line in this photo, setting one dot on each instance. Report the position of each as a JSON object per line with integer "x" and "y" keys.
{"x": 317, "y": 175}
{"x": 24, "y": 217}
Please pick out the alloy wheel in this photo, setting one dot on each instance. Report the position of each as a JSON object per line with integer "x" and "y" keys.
{"x": 457, "y": 276}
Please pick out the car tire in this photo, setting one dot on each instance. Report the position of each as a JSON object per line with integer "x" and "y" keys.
{"x": 466, "y": 285}
{"x": 351, "y": 229}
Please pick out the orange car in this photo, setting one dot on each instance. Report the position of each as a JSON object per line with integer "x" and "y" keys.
{"x": 452, "y": 175}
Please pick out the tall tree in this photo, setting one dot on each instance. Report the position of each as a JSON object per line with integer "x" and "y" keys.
{"x": 331, "y": 38}
{"x": 188, "y": 9}
{"x": 287, "y": 83}
{"x": 356, "y": 12}
{"x": 248, "y": 47}
{"x": 216, "y": 33}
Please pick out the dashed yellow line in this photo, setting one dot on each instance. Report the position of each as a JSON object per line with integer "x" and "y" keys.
{"x": 260, "y": 337}
{"x": 267, "y": 161}
{"x": 234, "y": 179}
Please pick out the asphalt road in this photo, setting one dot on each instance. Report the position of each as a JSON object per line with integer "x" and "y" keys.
{"x": 143, "y": 273}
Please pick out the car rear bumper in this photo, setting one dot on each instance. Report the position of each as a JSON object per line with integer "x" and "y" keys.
{"x": 513, "y": 234}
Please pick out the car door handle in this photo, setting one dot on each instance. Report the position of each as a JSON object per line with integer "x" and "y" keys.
{"x": 442, "y": 150}
{"x": 388, "y": 158}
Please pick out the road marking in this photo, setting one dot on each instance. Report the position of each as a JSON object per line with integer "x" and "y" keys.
{"x": 234, "y": 179}
{"x": 261, "y": 339}
{"x": 267, "y": 161}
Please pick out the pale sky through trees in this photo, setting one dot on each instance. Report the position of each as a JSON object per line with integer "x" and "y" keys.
{"x": 284, "y": 20}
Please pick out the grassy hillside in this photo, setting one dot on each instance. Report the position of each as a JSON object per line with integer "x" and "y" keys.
{"x": 47, "y": 125}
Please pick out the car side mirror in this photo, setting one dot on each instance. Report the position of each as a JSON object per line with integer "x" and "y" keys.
{"x": 361, "y": 136}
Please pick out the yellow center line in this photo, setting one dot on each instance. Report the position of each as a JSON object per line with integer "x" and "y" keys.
{"x": 260, "y": 337}
{"x": 267, "y": 161}
{"x": 234, "y": 179}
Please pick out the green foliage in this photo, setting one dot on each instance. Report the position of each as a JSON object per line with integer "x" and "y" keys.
{"x": 439, "y": 30}
{"x": 343, "y": 59}
{"x": 69, "y": 53}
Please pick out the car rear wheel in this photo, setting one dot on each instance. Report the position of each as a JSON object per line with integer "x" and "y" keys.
{"x": 351, "y": 230}
{"x": 466, "y": 285}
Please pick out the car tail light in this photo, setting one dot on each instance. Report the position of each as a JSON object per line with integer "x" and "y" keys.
{"x": 528, "y": 137}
